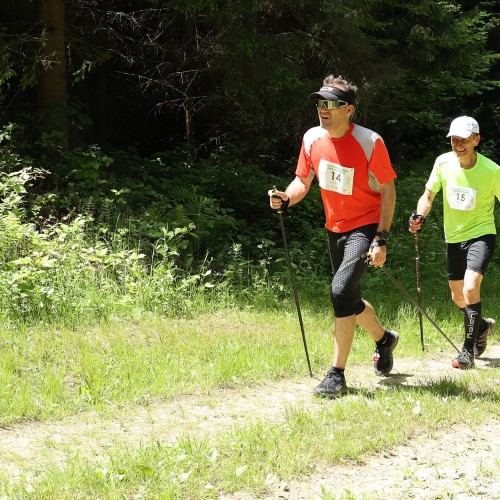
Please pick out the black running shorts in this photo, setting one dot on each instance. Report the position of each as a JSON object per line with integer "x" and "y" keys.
{"x": 472, "y": 254}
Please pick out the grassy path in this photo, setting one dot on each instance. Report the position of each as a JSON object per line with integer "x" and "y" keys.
{"x": 458, "y": 458}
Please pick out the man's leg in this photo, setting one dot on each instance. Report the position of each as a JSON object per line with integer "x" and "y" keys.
{"x": 370, "y": 322}
{"x": 334, "y": 383}
{"x": 344, "y": 328}
{"x": 468, "y": 290}
{"x": 346, "y": 250}
{"x": 343, "y": 335}
{"x": 473, "y": 309}
{"x": 457, "y": 293}
{"x": 466, "y": 264}
{"x": 385, "y": 340}
{"x": 466, "y": 294}
{"x": 348, "y": 267}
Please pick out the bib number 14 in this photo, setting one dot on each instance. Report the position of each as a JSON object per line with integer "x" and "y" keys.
{"x": 335, "y": 177}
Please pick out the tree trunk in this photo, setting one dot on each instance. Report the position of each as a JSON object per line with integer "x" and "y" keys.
{"x": 188, "y": 61}
{"x": 52, "y": 86}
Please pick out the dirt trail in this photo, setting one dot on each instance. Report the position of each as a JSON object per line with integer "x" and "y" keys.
{"x": 447, "y": 463}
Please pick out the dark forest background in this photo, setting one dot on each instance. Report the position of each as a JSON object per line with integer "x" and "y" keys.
{"x": 166, "y": 122}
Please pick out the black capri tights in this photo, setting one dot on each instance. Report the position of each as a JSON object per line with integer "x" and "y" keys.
{"x": 348, "y": 268}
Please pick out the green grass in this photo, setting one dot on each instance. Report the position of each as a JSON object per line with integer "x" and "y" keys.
{"x": 247, "y": 457}
{"x": 47, "y": 373}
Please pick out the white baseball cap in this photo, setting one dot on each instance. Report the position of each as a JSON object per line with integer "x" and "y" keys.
{"x": 463, "y": 126}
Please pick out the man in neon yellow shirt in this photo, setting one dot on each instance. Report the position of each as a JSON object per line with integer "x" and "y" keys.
{"x": 470, "y": 182}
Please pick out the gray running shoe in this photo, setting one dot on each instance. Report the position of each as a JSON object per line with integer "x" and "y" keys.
{"x": 382, "y": 357}
{"x": 482, "y": 337}
{"x": 333, "y": 385}
{"x": 464, "y": 361}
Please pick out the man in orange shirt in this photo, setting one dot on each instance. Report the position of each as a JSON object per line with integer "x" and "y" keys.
{"x": 356, "y": 180}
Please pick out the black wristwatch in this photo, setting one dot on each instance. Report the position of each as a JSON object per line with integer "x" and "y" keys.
{"x": 383, "y": 235}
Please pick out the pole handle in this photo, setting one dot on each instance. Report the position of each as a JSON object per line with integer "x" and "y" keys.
{"x": 275, "y": 190}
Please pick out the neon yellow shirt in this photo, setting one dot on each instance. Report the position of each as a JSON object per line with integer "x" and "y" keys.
{"x": 468, "y": 196}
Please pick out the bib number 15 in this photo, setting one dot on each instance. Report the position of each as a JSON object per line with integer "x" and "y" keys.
{"x": 461, "y": 198}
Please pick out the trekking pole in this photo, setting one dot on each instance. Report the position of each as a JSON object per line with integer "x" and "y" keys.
{"x": 418, "y": 306}
{"x": 294, "y": 288}
{"x": 419, "y": 296}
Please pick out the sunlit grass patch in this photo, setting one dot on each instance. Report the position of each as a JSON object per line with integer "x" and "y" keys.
{"x": 255, "y": 455}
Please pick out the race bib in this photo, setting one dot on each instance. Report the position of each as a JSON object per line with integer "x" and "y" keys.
{"x": 335, "y": 177}
{"x": 461, "y": 198}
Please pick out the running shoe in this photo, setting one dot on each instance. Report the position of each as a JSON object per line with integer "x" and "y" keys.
{"x": 464, "y": 361}
{"x": 482, "y": 337}
{"x": 333, "y": 385}
{"x": 382, "y": 357}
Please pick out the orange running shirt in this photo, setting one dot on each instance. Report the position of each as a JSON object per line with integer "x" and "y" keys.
{"x": 349, "y": 171}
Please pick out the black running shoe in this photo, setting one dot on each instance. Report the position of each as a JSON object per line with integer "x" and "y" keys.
{"x": 382, "y": 357}
{"x": 464, "y": 361}
{"x": 482, "y": 337}
{"x": 333, "y": 385}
